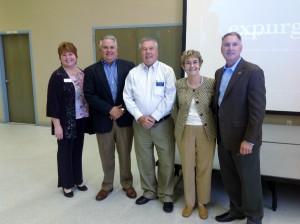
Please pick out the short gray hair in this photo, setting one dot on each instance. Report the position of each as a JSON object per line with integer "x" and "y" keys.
{"x": 148, "y": 39}
{"x": 110, "y": 37}
{"x": 232, "y": 34}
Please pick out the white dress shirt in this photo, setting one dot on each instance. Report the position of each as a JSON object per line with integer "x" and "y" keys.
{"x": 150, "y": 91}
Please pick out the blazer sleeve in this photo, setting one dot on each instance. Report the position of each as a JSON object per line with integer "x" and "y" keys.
{"x": 256, "y": 105}
{"x": 54, "y": 96}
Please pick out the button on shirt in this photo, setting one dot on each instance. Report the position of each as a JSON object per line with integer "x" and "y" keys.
{"x": 112, "y": 77}
{"x": 150, "y": 91}
{"x": 227, "y": 73}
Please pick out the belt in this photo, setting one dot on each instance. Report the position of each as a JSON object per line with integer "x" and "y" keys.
{"x": 162, "y": 119}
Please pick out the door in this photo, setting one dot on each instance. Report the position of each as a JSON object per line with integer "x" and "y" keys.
{"x": 18, "y": 78}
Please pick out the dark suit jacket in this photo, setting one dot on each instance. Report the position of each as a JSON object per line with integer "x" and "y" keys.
{"x": 241, "y": 113}
{"x": 98, "y": 95}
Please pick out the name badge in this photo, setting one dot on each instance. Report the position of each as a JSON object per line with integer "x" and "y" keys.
{"x": 160, "y": 83}
{"x": 67, "y": 80}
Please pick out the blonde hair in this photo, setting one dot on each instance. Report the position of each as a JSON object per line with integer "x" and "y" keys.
{"x": 190, "y": 53}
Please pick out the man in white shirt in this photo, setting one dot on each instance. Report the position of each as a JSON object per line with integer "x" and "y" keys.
{"x": 149, "y": 95}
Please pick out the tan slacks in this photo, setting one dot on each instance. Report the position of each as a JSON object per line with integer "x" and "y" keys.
{"x": 196, "y": 154}
{"x": 119, "y": 138}
{"x": 161, "y": 136}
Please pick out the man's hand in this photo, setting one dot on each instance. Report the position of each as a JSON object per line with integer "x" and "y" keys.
{"x": 116, "y": 112}
{"x": 146, "y": 121}
{"x": 246, "y": 148}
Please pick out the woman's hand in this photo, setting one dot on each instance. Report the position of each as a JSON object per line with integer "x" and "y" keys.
{"x": 58, "y": 131}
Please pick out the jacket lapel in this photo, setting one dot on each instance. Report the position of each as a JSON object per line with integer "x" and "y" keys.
{"x": 120, "y": 76}
{"x": 238, "y": 72}
{"x": 218, "y": 83}
{"x": 102, "y": 78}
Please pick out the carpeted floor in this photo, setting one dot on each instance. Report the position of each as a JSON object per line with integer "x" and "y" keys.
{"x": 28, "y": 192}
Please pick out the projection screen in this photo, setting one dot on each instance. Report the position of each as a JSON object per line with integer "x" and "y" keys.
{"x": 270, "y": 33}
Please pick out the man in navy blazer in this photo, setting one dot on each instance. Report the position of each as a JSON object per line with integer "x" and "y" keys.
{"x": 103, "y": 89}
{"x": 240, "y": 107}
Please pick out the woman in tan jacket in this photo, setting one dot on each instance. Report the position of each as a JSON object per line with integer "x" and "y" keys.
{"x": 195, "y": 133}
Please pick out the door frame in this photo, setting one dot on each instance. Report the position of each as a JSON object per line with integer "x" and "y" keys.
{"x": 3, "y": 88}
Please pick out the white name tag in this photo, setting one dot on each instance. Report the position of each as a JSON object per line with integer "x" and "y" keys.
{"x": 67, "y": 80}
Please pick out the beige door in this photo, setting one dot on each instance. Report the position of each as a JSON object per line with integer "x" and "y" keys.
{"x": 18, "y": 77}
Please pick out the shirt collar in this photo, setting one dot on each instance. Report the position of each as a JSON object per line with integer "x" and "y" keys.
{"x": 232, "y": 67}
{"x": 154, "y": 66}
{"x": 115, "y": 62}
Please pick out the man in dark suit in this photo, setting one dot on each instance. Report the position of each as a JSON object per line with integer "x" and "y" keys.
{"x": 103, "y": 89}
{"x": 240, "y": 108}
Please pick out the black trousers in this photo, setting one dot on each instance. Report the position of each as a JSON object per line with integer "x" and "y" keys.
{"x": 69, "y": 158}
{"x": 242, "y": 181}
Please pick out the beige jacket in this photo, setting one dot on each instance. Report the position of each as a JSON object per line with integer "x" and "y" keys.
{"x": 203, "y": 97}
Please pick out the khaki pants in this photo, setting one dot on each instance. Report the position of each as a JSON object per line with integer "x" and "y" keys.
{"x": 196, "y": 154}
{"x": 161, "y": 136}
{"x": 119, "y": 138}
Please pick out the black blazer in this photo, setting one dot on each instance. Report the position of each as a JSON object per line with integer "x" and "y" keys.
{"x": 241, "y": 113}
{"x": 61, "y": 104}
{"x": 98, "y": 95}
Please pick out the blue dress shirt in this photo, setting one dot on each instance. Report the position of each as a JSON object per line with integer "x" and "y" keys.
{"x": 112, "y": 77}
{"x": 226, "y": 76}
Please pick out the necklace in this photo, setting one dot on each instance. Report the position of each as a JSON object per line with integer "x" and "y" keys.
{"x": 194, "y": 86}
